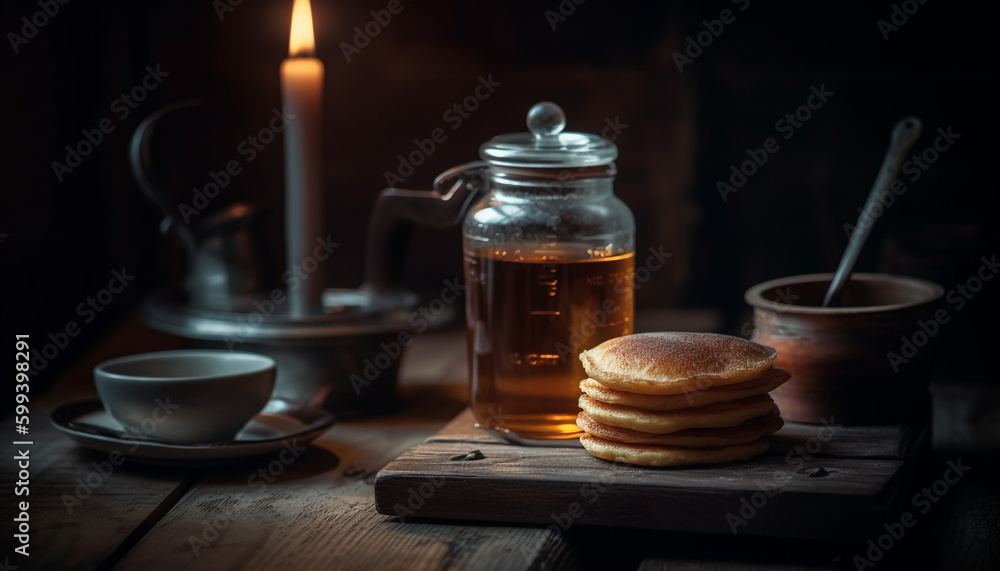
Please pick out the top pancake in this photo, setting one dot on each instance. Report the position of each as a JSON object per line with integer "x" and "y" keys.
{"x": 671, "y": 363}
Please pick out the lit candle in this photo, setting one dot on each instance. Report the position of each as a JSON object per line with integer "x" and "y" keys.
{"x": 302, "y": 94}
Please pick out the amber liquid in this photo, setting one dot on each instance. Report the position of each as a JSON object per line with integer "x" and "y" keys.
{"x": 528, "y": 319}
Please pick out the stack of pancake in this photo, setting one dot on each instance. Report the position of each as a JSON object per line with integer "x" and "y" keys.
{"x": 676, "y": 399}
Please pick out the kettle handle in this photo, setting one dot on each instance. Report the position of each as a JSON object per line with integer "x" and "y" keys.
{"x": 397, "y": 210}
{"x": 140, "y": 159}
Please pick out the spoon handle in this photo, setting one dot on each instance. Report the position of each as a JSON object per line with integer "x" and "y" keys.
{"x": 905, "y": 133}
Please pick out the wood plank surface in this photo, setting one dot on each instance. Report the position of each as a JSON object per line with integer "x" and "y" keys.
{"x": 82, "y": 508}
{"x": 718, "y": 566}
{"x": 319, "y": 512}
{"x": 889, "y": 441}
{"x": 822, "y": 489}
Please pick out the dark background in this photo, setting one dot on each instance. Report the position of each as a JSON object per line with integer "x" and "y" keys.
{"x": 607, "y": 60}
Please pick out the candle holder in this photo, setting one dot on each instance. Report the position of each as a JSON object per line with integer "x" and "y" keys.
{"x": 344, "y": 357}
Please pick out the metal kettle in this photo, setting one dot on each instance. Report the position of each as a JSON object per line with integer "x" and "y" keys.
{"x": 229, "y": 261}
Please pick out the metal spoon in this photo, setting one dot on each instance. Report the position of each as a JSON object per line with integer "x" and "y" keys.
{"x": 904, "y": 135}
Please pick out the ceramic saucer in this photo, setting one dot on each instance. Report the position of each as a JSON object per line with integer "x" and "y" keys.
{"x": 279, "y": 423}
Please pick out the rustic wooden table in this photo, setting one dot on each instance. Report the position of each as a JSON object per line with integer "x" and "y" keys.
{"x": 318, "y": 513}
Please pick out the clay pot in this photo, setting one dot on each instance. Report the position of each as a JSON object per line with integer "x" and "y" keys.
{"x": 843, "y": 360}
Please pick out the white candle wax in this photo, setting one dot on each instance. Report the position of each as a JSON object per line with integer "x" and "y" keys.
{"x": 302, "y": 94}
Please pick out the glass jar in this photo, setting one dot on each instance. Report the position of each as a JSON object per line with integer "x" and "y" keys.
{"x": 549, "y": 259}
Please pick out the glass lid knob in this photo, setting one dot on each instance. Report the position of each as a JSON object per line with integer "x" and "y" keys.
{"x": 546, "y": 119}
{"x": 547, "y": 145}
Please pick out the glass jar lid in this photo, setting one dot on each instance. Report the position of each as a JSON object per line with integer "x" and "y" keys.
{"x": 546, "y": 145}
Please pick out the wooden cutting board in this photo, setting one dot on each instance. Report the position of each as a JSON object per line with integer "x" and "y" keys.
{"x": 815, "y": 482}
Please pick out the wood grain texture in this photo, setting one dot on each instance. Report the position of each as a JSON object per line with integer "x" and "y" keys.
{"x": 968, "y": 528}
{"x": 77, "y": 509}
{"x": 660, "y": 565}
{"x": 893, "y": 441}
{"x": 319, "y": 513}
{"x": 309, "y": 527}
{"x": 80, "y": 512}
{"x": 811, "y": 488}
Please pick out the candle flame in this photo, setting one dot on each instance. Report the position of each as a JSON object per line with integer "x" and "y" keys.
{"x": 301, "y": 41}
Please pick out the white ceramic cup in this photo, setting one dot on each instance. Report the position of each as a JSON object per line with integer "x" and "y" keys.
{"x": 185, "y": 397}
